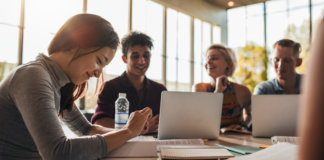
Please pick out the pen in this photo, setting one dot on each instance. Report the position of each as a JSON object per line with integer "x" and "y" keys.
{"x": 205, "y": 140}
{"x": 266, "y": 146}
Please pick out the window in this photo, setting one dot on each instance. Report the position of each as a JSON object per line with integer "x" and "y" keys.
{"x": 202, "y": 34}
{"x": 41, "y": 23}
{"x": 299, "y": 31}
{"x": 178, "y": 51}
{"x": 148, "y": 18}
{"x": 236, "y": 27}
{"x": 255, "y": 25}
{"x": 172, "y": 44}
{"x": 184, "y": 52}
{"x": 294, "y": 4}
{"x": 198, "y": 52}
{"x": 216, "y": 34}
{"x": 317, "y": 13}
{"x": 206, "y": 42}
{"x": 117, "y": 14}
{"x": 9, "y": 31}
{"x": 285, "y": 19}
{"x": 277, "y": 24}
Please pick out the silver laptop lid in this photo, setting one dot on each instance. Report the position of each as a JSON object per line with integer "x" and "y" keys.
{"x": 190, "y": 115}
{"x": 274, "y": 115}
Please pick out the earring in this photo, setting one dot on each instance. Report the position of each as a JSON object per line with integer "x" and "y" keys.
{"x": 226, "y": 70}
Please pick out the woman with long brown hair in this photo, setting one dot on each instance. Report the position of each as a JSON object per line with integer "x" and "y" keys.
{"x": 35, "y": 95}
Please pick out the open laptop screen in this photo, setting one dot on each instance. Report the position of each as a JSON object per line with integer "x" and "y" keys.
{"x": 190, "y": 115}
{"x": 274, "y": 115}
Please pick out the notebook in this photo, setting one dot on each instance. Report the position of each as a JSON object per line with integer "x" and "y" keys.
{"x": 280, "y": 151}
{"x": 274, "y": 115}
{"x": 195, "y": 153}
{"x": 286, "y": 139}
{"x": 185, "y": 115}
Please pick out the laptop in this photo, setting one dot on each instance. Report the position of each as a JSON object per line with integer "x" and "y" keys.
{"x": 187, "y": 115}
{"x": 275, "y": 115}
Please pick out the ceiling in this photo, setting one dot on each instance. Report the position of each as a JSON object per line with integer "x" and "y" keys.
{"x": 237, "y": 3}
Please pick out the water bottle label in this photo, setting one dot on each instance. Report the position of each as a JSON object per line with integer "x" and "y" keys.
{"x": 121, "y": 118}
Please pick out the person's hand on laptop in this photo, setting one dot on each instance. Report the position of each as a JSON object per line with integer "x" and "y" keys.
{"x": 138, "y": 121}
{"x": 152, "y": 125}
{"x": 235, "y": 128}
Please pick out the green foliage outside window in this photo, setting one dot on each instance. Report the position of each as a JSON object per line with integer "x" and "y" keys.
{"x": 300, "y": 34}
{"x": 5, "y": 68}
{"x": 252, "y": 66}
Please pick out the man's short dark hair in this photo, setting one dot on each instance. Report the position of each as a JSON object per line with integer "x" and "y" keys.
{"x": 135, "y": 38}
{"x": 289, "y": 43}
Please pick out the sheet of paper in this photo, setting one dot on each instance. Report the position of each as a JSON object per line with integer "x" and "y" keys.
{"x": 143, "y": 138}
{"x": 280, "y": 151}
{"x": 181, "y": 142}
{"x": 288, "y": 139}
{"x": 196, "y": 153}
{"x": 148, "y": 146}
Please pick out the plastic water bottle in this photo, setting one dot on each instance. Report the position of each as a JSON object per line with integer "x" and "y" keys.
{"x": 121, "y": 111}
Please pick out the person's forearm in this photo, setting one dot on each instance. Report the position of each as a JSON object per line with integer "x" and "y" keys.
{"x": 116, "y": 138}
{"x": 97, "y": 129}
{"x": 106, "y": 122}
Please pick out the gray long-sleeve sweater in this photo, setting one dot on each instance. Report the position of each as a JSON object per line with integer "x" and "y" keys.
{"x": 29, "y": 122}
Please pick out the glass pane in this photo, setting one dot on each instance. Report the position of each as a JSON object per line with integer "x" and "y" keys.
{"x": 117, "y": 14}
{"x": 172, "y": 33}
{"x": 255, "y": 24}
{"x": 10, "y": 12}
{"x": 148, "y": 18}
{"x": 155, "y": 70}
{"x": 297, "y": 3}
{"x": 236, "y": 26}
{"x": 140, "y": 17}
{"x": 9, "y": 51}
{"x": 254, "y": 10}
{"x": 276, "y": 6}
{"x": 216, "y": 34}
{"x": 184, "y": 71}
{"x": 206, "y": 44}
{"x": 178, "y": 50}
{"x": 206, "y": 77}
{"x": 299, "y": 31}
{"x": 184, "y": 76}
{"x": 317, "y": 2}
{"x": 42, "y": 20}
{"x": 9, "y": 35}
{"x": 183, "y": 37}
{"x": 198, "y": 50}
{"x": 206, "y": 32}
{"x": 317, "y": 15}
{"x": 277, "y": 26}
{"x": 171, "y": 76}
{"x": 198, "y": 73}
{"x": 255, "y": 30}
{"x": 171, "y": 62}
